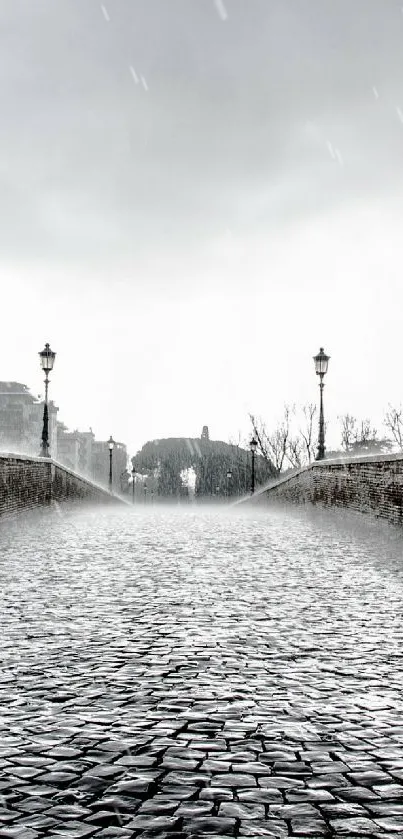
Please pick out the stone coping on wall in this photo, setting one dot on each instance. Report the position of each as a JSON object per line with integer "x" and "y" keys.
{"x": 19, "y": 456}
{"x": 77, "y": 475}
{"x": 55, "y": 463}
{"x": 319, "y": 464}
{"x": 362, "y": 458}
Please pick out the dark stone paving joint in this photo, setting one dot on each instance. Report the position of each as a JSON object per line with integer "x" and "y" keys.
{"x": 148, "y": 701}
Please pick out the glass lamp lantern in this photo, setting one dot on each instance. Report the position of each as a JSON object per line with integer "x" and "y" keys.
{"x": 111, "y": 443}
{"x": 47, "y": 359}
{"x": 253, "y": 445}
{"x": 321, "y": 362}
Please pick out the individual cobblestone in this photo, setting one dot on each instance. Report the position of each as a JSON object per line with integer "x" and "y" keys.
{"x": 184, "y": 674}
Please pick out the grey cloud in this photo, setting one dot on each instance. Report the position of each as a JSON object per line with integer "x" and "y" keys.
{"x": 95, "y": 169}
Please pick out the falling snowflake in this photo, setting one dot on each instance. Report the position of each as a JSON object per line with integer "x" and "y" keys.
{"x": 219, "y": 4}
{"x": 400, "y": 114}
{"x": 144, "y": 83}
{"x": 105, "y": 14}
{"x": 375, "y": 92}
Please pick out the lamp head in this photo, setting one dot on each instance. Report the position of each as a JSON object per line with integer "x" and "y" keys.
{"x": 47, "y": 359}
{"x": 321, "y": 362}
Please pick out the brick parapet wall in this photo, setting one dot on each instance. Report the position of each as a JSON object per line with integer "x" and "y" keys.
{"x": 371, "y": 484}
{"x": 30, "y": 482}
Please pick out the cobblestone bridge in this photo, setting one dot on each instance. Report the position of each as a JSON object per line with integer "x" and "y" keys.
{"x": 200, "y": 674}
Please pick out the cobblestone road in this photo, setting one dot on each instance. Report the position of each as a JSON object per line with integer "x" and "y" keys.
{"x": 200, "y": 675}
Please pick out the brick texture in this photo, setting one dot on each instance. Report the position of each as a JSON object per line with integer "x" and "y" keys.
{"x": 366, "y": 484}
{"x": 29, "y": 482}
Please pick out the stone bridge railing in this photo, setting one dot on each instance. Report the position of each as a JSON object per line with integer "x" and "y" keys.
{"x": 29, "y": 482}
{"x": 368, "y": 484}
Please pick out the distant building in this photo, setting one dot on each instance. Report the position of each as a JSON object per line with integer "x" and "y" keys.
{"x": 205, "y": 433}
{"x": 75, "y": 449}
{"x": 67, "y": 447}
{"x": 21, "y": 420}
{"x": 100, "y": 463}
{"x": 85, "y": 453}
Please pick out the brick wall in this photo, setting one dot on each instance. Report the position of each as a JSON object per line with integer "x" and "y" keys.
{"x": 366, "y": 484}
{"x": 29, "y": 482}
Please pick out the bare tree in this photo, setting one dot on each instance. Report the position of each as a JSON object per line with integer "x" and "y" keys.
{"x": 260, "y": 434}
{"x": 367, "y": 440}
{"x": 277, "y": 443}
{"x": 295, "y": 452}
{"x": 348, "y": 431}
{"x": 308, "y": 435}
{"x": 282, "y": 445}
{"x": 273, "y": 446}
{"x": 366, "y": 434}
{"x": 360, "y": 437}
{"x": 394, "y": 423}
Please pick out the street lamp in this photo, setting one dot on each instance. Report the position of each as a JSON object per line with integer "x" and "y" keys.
{"x": 47, "y": 359}
{"x": 321, "y": 363}
{"x": 134, "y": 481}
{"x": 111, "y": 444}
{"x": 253, "y": 446}
{"x": 145, "y": 493}
{"x": 229, "y": 476}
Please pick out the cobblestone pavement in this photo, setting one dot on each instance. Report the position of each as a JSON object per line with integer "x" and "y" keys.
{"x": 179, "y": 674}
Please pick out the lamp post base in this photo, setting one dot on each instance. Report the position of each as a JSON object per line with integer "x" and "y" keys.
{"x": 45, "y": 429}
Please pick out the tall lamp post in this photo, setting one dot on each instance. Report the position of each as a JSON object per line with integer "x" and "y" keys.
{"x": 111, "y": 444}
{"x": 253, "y": 446}
{"x": 134, "y": 482}
{"x": 229, "y": 476}
{"x": 47, "y": 359}
{"x": 321, "y": 364}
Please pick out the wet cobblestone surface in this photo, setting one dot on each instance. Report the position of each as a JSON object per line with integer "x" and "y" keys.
{"x": 178, "y": 675}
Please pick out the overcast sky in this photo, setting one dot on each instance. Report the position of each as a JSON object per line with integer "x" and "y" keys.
{"x": 195, "y": 196}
